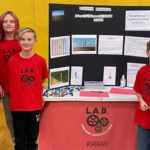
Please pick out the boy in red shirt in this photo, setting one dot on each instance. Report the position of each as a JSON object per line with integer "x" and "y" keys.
{"x": 142, "y": 116}
{"x": 27, "y": 71}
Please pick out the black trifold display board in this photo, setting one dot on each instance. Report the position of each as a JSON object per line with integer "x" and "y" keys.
{"x": 93, "y": 64}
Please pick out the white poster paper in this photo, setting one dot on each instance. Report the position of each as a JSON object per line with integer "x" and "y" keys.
{"x": 132, "y": 69}
{"x": 138, "y": 20}
{"x": 109, "y": 76}
{"x": 110, "y": 44}
{"x": 76, "y": 75}
{"x": 135, "y": 46}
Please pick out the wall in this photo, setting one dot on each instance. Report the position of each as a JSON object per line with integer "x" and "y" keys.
{"x": 34, "y": 13}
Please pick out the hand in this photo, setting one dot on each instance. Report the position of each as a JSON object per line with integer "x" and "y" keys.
{"x": 1, "y": 91}
{"x": 144, "y": 106}
{"x": 44, "y": 106}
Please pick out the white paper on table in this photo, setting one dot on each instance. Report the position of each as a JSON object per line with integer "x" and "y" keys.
{"x": 135, "y": 46}
{"x": 132, "y": 69}
{"x": 137, "y": 20}
{"x": 110, "y": 44}
{"x": 109, "y": 76}
{"x": 76, "y": 75}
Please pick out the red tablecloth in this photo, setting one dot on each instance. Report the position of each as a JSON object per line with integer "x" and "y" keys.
{"x": 88, "y": 126}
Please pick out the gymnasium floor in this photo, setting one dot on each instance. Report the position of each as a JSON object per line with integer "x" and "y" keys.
{"x": 5, "y": 142}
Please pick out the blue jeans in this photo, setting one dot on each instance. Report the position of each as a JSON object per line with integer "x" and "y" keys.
{"x": 143, "y": 137}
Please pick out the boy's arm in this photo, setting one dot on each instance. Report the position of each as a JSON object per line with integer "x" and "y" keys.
{"x": 1, "y": 91}
{"x": 1, "y": 88}
{"x": 44, "y": 83}
{"x": 143, "y": 104}
{"x": 45, "y": 75}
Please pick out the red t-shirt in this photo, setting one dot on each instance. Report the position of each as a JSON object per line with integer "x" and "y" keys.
{"x": 25, "y": 82}
{"x": 8, "y": 48}
{"x": 142, "y": 86}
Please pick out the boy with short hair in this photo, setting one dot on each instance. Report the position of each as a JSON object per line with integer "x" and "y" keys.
{"x": 142, "y": 116}
{"x": 27, "y": 70}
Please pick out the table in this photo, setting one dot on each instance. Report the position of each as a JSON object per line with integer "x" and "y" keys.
{"x": 97, "y": 124}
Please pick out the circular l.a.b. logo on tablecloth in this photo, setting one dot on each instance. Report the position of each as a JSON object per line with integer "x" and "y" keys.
{"x": 97, "y": 121}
